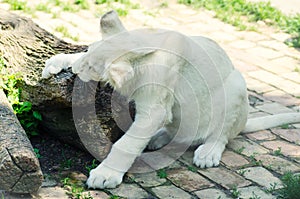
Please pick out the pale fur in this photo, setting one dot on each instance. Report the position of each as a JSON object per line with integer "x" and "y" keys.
{"x": 158, "y": 113}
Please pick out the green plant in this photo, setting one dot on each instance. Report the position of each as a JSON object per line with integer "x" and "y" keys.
{"x": 285, "y": 126}
{"x": 125, "y": 2}
{"x": 55, "y": 15}
{"x": 240, "y": 150}
{"x": 88, "y": 196}
{"x": 67, "y": 163}
{"x": 92, "y": 166}
{"x": 122, "y": 7}
{"x": 235, "y": 193}
{"x": 278, "y": 152}
{"x": 291, "y": 186}
{"x": 10, "y": 83}
{"x": 67, "y": 6}
{"x": 121, "y": 11}
{"x": 64, "y": 30}
{"x": 254, "y": 196}
{"x": 43, "y": 7}
{"x": 74, "y": 190}
{"x": 150, "y": 13}
{"x": 253, "y": 160}
{"x": 164, "y": 4}
{"x": 243, "y": 171}
{"x": 272, "y": 188}
{"x": 84, "y": 4}
{"x": 37, "y": 152}
{"x": 66, "y": 181}
{"x": 55, "y": 2}
{"x": 16, "y": 4}
{"x": 161, "y": 173}
{"x": 192, "y": 168}
{"x": 270, "y": 167}
{"x": 114, "y": 197}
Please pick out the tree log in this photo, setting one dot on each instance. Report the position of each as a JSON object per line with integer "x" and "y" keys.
{"x": 25, "y": 47}
{"x": 19, "y": 168}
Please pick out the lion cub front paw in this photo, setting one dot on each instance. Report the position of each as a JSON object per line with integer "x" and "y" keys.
{"x": 208, "y": 155}
{"x": 104, "y": 177}
{"x": 56, "y": 64}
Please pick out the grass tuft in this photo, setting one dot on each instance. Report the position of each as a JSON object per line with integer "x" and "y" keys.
{"x": 161, "y": 173}
{"x": 64, "y": 30}
{"x": 291, "y": 186}
{"x": 84, "y": 4}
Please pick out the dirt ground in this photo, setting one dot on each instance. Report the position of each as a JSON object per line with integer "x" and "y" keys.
{"x": 58, "y": 159}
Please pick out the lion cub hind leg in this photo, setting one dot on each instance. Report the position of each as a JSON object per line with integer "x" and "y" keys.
{"x": 236, "y": 110}
{"x": 160, "y": 139}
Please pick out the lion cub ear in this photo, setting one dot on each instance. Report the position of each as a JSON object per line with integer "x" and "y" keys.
{"x": 119, "y": 73}
{"x": 140, "y": 53}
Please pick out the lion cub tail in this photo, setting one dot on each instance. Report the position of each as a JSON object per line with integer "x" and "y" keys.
{"x": 265, "y": 122}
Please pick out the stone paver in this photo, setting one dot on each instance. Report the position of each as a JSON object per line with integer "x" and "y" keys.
{"x": 243, "y": 66}
{"x": 51, "y": 193}
{"x": 286, "y": 148}
{"x": 277, "y": 164}
{"x": 273, "y": 44}
{"x": 131, "y": 191}
{"x": 246, "y": 147}
{"x": 242, "y": 44}
{"x": 170, "y": 192}
{"x": 252, "y": 110}
{"x": 285, "y": 62}
{"x": 293, "y": 76}
{"x": 267, "y": 77}
{"x": 211, "y": 193}
{"x": 274, "y": 68}
{"x": 265, "y": 52}
{"x": 291, "y": 135}
{"x": 95, "y": 194}
{"x": 232, "y": 159}
{"x": 187, "y": 157}
{"x": 261, "y": 176}
{"x": 261, "y": 135}
{"x": 149, "y": 179}
{"x": 270, "y": 70}
{"x": 281, "y": 98}
{"x": 257, "y": 114}
{"x": 253, "y": 192}
{"x": 259, "y": 86}
{"x": 274, "y": 108}
{"x": 224, "y": 177}
{"x": 188, "y": 180}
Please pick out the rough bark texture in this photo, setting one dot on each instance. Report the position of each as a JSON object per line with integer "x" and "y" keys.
{"x": 25, "y": 47}
{"x": 19, "y": 168}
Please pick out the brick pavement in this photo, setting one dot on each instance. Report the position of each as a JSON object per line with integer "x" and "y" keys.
{"x": 249, "y": 164}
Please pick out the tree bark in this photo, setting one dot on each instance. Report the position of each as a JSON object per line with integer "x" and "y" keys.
{"x": 19, "y": 168}
{"x": 25, "y": 47}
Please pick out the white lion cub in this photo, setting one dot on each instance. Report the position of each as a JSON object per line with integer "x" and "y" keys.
{"x": 186, "y": 91}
